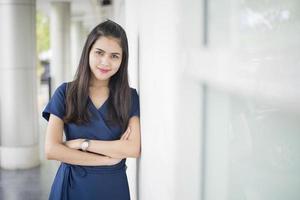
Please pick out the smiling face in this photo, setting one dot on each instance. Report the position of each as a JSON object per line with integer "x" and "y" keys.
{"x": 105, "y": 59}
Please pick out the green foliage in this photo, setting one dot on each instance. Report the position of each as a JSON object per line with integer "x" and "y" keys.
{"x": 42, "y": 38}
{"x": 42, "y": 32}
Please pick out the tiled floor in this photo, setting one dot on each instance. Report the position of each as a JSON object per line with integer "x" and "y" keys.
{"x": 31, "y": 184}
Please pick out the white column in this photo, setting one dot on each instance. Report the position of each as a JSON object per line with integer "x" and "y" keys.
{"x": 77, "y": 43}
{"x": 126, "y": 14}
{"x": 18, "y": 102}
{"x": 60, "y": 68}
{"x": 159, "y": 54}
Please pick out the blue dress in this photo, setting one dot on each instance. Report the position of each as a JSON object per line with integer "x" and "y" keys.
{"x": 75, "y": 182}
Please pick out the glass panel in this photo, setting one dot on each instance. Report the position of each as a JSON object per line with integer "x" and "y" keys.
{"x": 253, "y": 150}
{"x": 264, "y": 152}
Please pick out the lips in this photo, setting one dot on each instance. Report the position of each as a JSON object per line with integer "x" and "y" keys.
{"x": 103, "y": 70}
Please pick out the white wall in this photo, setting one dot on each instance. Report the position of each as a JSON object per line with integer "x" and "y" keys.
{"x": 219, "y": 121}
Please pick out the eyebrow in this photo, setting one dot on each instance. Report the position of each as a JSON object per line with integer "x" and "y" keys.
{"x": 111, "y": 53}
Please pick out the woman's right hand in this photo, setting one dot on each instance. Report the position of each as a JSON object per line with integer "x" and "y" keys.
{"x": 126, "y": 134}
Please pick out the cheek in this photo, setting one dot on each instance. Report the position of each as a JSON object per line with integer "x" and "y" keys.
{"x": 117, "y": 64}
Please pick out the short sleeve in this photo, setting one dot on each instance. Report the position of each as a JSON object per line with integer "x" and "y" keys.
{"x": 56, "y": 104}
{"x": 135, "y": 107}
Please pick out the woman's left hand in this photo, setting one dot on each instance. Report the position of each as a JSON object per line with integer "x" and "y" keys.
{"x": 74, "y": 144}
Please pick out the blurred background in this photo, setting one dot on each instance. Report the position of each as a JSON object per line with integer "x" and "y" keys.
{"x": 219, "y": 93}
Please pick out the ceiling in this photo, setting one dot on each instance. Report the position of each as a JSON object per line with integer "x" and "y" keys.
{"x": 90, "y": 12}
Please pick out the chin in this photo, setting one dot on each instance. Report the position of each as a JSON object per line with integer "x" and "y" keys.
{"x": 102, "y": 78}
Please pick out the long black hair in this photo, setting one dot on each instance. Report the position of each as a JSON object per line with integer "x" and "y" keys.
{"x": 119, "y": 100}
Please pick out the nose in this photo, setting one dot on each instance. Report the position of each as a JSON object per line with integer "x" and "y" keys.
{"x": 104, "y": 60}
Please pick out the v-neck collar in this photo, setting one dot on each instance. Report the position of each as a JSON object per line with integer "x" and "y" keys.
{"x": 102, "y": 105}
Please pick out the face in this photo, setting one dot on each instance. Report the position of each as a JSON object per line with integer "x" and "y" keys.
{"x": 105, "y": 58}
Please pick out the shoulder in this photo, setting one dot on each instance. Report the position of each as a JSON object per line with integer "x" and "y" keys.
{"x": 133, "y": 91}
{"x": 56, "y": 104}
{"x": 60, "y": 92}
{"x": 135, "y": 111}
{"x": 62, "y": 88}
{"x": 134, "y": 95}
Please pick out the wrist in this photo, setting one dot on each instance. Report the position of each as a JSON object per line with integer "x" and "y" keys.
{"x": 78, "y": 143}
{"x": 84, "y": 144}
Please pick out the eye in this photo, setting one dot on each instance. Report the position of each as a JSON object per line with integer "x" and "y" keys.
{"x": 115, "y": 56}
{"x": 99, "y": 52}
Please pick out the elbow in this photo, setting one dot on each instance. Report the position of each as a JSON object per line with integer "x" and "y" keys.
{"x": 136, "y": 153}
{"x": 136, "y": 150}
{"x": 49, "y": 152}
{"x": 48, "y": 156}
{"x": 133, "y": 153}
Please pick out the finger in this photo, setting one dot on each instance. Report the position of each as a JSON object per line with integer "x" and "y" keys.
{"x": 124, "y": 135}
{"x": 128, "y": 133}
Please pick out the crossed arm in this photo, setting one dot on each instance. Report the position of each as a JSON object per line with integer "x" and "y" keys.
{"x": 112, "y": 151}
{"x": 127, "y": 146}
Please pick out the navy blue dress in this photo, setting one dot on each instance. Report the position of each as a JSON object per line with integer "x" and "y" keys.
{"x": 75, "y": 182}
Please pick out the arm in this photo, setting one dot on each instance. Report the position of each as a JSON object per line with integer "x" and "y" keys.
{"x": 127, "y": 146}
{"x": 55, "y": 150}
{"x": 120, "y": 148}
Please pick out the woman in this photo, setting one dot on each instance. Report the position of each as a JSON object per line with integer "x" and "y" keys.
{"x": 99, "y": 114}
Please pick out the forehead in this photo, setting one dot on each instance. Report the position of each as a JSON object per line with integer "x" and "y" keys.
{"x": 108, "y": 44}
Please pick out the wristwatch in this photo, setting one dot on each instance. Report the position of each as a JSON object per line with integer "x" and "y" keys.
{"x": 85, "y": 145}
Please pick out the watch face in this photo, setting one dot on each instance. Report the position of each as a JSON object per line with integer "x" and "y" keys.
{"x": 84, "y": 145}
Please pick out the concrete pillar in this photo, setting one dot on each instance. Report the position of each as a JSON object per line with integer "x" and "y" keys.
{"x": 18, "y": 101}
{"x": 159, "y": 68}
{"x": 60, "y": 68}
{"x": 126, "y": 14}
{"x": 77, "y": 41}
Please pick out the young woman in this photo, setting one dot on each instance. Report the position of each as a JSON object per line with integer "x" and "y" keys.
{"x": 99, "y": 114}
